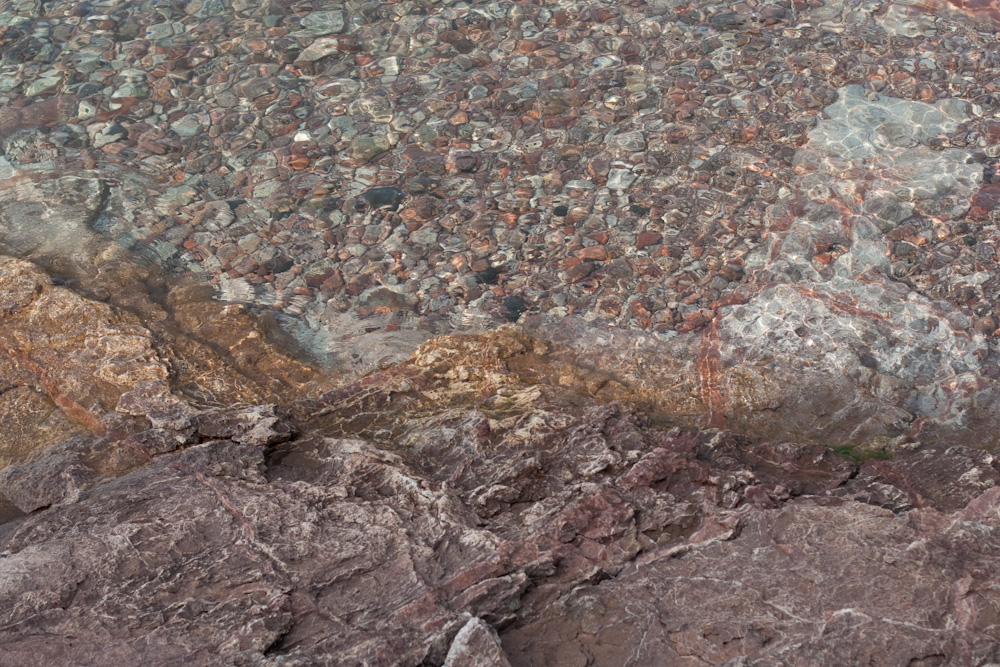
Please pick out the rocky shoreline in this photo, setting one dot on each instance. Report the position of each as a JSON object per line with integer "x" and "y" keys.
{"x": 492, "y": 334}
{"x": 483, "y": 503}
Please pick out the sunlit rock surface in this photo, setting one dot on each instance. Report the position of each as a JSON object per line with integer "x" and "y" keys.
{"x": 483, "y": 487}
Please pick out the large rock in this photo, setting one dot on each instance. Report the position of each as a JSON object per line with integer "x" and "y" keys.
{"x": 484, "y": 503}
{"x": 80, "y": 366}
{"x": 811, "y": 583}
{"x": 581, "y": 532}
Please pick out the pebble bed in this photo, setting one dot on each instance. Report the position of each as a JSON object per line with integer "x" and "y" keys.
{"x": 439, "y": 165}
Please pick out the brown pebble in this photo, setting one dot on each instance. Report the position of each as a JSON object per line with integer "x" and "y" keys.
{"x": 596, "y": 252}
{"x": 646, "y": 239}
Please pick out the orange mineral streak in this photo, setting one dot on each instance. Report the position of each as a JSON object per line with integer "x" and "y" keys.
{"x": 126, "y": 105}
{"x": 713, "y": 388}
{"x": 988, "y": 8}
{"x": 73, "y": 410}
{"x": 838, "y": 303}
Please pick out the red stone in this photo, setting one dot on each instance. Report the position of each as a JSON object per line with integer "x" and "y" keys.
{"x": 984, "y": 201}
{"x": 596, "y": 252}
{"x": 646, "y": 239}
{"x": 580, "y": 271}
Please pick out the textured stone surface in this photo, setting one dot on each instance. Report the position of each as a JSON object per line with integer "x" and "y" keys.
{"x": 484, "y": 505}
{"x": 81, "y": 374}
{"x": 746, "y": 417}
{"x": 476, "y": 645}
{"x": 808, "y": 584}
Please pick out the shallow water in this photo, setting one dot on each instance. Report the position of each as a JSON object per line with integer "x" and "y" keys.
{"x": 795, "y": 201}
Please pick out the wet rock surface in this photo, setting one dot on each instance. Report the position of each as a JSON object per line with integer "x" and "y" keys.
{"x": 615, "y": 161}
{"x": 87, "y": 374}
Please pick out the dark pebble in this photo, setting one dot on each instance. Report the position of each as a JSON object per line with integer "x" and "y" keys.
{"x": 282, "y": 264}
{"x": 729, "y": 20}
{"x": 387, "y": 198}
{"x": 514, "y": 306}
{"x": 868, "y": 361}
{"x": 421, "y": 184}
{"x": 488, "y": 276}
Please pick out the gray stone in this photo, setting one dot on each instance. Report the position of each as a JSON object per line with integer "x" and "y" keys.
{"x": 323, "y": 23}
